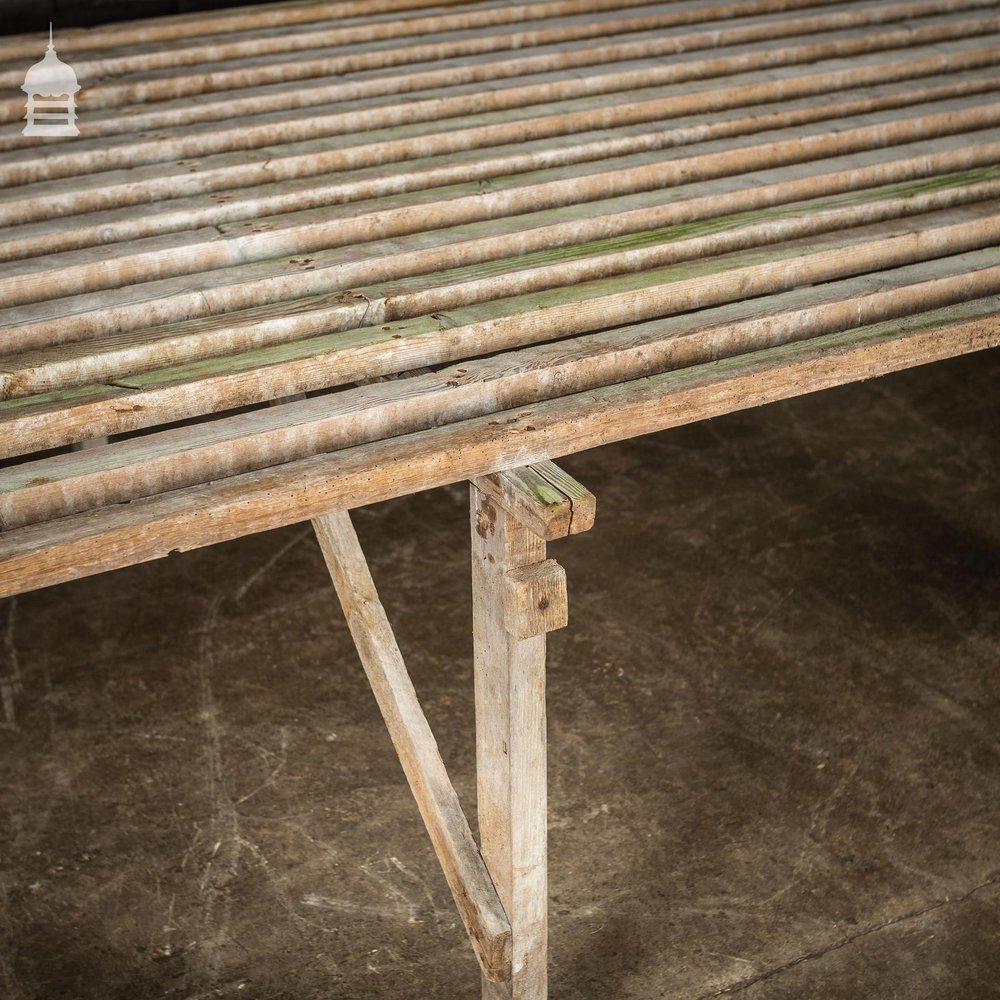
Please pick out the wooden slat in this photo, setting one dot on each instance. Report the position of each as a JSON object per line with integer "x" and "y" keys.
{"x": 97, "y": 65}
{"x": 215, "y": 75}
{"x": 340, "y": 358}
{"x": 196, "y": 25}
{"x": 28, "y": 283}
{"x": 193, "y": 142}
{"x": 64, "y": 484}
{"x": 119, "y": 359}
{"x": 535, "y": 196}
{"x": 312, "y": 255}
{"x": 250, "y": 101}
{"x": 97, "y": 224}
{"x": 102, "y": 225}
{"x": 543, "y": 234}
{"x": 150, "y": 528}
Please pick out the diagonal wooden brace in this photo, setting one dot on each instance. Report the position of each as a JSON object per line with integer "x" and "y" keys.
{"x": 517, "y": 596}
{"x": 470, "y": 883}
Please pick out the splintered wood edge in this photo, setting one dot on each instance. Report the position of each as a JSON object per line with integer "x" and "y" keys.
{"x": 543, "y": 498}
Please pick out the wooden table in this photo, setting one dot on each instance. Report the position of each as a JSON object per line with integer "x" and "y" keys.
{"x": 303, "y": 257}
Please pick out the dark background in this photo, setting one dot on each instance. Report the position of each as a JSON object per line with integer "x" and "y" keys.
{"x": 34, "y": 15}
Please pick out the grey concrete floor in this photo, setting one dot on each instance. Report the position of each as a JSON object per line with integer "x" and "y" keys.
{"x": 774, "y": 766}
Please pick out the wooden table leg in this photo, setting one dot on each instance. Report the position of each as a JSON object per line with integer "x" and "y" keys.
{"x": 515, "y": 593}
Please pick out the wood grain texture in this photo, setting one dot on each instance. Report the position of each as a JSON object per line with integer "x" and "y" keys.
{"x": 336, "y": 359}
{"x": 565, "y": 85}
{"x": 264, "y": 178}
{"x": 52, "y": 487}
{"x": 543, "y": 235}
{"x": 123, "y": 356}
{"x": 307, "y": 256}
{"x": 432, "y": 44}
{"x": 39, "y": 235}
{"x": 82, "y": 271}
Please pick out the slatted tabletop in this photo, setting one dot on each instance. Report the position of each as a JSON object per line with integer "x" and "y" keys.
{"x": 565, "y": 223}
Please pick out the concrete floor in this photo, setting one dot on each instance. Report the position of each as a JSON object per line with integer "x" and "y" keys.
{"x": 774, "y": 766}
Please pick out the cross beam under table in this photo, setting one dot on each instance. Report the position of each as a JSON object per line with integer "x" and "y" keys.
{"x": 517, "y": 596}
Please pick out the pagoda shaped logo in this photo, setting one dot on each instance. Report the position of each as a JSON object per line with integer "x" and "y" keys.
{"x": 51, "y": 87}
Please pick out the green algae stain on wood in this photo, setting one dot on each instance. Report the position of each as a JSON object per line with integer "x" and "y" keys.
{"x": 707, "y": 227}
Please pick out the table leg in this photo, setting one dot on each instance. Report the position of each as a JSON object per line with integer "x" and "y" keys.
{"x": 510, "y": 738}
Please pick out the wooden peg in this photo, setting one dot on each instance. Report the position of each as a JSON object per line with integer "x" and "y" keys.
{"x": 534, "y": 599}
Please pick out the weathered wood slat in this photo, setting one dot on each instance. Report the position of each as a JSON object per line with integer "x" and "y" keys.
{"x": 196, "y": 25}
{"x": 120, "y": 359}
{"x": 150, "y": 528}
{"x": 312, "y": 255}
{"x": 192, "y": 142}
{"x": 116, "y": 225}
{"x": 333, "y": 359}
{"x": 219, "y": 177}
{"x": 544, "y": 235}
{"x": 25, "y": 283}
{"x": 216, "y": 75}
{"x": 254, "y": 101}
{"x": 54, "y": 487}
{"x": 582, "y": 174}
{"x": 96, "y": 65}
